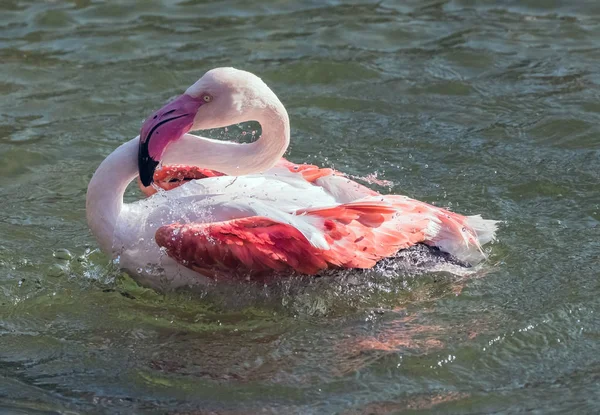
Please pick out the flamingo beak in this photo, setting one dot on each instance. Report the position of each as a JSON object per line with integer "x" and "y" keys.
{"x": 163, "y": 127}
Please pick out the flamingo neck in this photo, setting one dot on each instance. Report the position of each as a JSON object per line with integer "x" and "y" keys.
{"x": 104, "y": 200}
{"x": 237, "y": 159}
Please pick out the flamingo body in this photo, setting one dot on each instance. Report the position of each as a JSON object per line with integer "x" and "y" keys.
{"x": 358, "y": 234}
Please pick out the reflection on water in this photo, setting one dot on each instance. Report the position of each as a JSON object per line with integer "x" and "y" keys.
{"x": 485, "y": 107}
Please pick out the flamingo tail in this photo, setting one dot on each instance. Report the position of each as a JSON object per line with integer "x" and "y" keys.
{"x": 463, "y": 236}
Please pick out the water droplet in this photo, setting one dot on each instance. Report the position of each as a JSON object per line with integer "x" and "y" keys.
{"x": 56, "y": 270}
{"x": 62, "y": 254}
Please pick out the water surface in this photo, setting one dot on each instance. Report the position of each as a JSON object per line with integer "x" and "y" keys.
{"x": 485, "y": 107}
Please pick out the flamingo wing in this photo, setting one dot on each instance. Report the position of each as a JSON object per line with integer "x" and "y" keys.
{"x": 356, "y": 235}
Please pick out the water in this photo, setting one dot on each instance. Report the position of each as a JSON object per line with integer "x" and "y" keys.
{"x": 488, "y": 107}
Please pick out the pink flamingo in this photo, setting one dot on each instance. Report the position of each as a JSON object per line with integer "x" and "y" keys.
{"x": 253, "y": 214}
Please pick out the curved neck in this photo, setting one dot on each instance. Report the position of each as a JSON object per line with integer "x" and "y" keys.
{"x": 104, "y": 199}
{"x": 236, "y": 159}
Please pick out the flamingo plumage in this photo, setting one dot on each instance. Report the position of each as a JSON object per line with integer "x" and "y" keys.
{"x": 240, "y": 211}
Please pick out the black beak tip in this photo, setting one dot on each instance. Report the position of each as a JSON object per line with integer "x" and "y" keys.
{"x": 146, "y": 171}
{"x": 146, "y": 165}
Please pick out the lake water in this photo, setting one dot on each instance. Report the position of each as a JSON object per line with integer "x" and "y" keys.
{"x": 488, "y": 107}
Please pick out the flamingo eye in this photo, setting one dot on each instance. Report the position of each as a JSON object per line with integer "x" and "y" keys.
{"x": 207, "y": 98}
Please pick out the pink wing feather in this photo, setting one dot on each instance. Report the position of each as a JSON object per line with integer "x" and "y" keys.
{"x": 359, "y": 234}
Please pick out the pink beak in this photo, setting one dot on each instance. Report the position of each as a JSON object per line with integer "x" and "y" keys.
{"x": 164, "y": 126}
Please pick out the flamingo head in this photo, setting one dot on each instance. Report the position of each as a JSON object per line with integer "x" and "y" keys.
{"x": 222, "y": 97}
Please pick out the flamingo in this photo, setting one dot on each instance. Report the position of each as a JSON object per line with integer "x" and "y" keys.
{"x": 252, "y": 214}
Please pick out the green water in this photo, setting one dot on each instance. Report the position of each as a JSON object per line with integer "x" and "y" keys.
{"x": 488, "y": 107}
